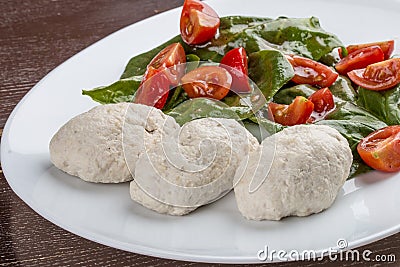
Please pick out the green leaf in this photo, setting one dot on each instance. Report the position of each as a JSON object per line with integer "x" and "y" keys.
{"x": 287, "y": 95}
{"x": 176, "y": 96}
{"x": 383, "y": 104}
{"x": 348, "y": 110}
{"x": 353, "y": 123}
{"x": 358, "y": 166}
{"x": 232, "y": 100}
{"x": 299, "y": 36}
{"x": 343, "y": 89}
{"x": 236, "y": 24}
{"x": 355, "y": 129}
{"x": 269, "y": 126}
{"x": 331, "y": 58}
{"x": 197, "y": 108}
{"x": 302, "y": 36}
{"x": 270, "y": 70}
{"x": 350, "y": 121}
{"x": 138, "y": 64}
{"x": 192, "y": 62}
{"x": 120, "y": 91}
{"x": 192, "y": 58}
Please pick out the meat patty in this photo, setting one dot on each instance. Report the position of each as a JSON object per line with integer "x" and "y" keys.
{"x": 91, "y": 145}
{"x": 193, "y": 167}
{"x": 298, "y": 171}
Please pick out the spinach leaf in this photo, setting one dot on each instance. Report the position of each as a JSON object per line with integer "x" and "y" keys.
{"x": 120, "y": 91}
{"x": 343, "y": 89}
{"x": 299, "y": 36}
{"x": 332, "y": 57}
{"x": 353, "y": 123}
{"x": 349, "y": 120}
{"x": 138, "y": 64}
{"x": 192, "y": 58}
{"x": 238, "y": 23}
{"x": 269, "y": 126}
{"x": 176, "y": 96}
{"x": 383, "y": 104}
{"x": 358, "y": 166}
{"x": 197, "y": 108}
{"x": 302, "y": 36}
{"x": 232, "y": 100}
{"x": 348, "y": 110}
{"x": 270, "y": 70}
{"x": 287, "y": 95}
{"x": 355, "y": 129}
{"x": 192, "y": 62}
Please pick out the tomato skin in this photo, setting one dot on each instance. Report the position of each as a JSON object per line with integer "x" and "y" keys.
{"x": 298, "y": 112}
{"x": 322, "y": 100}
{"x": 342, "y": 52}
{"x": 199, "y": 22}
{"x": 164, "y": 69}
{"x": 207, "y": 81}
{"x": 386, "y": 46}
{"x": 308, "y": 71}
{"x": 154, "y": 88}
{"x": 235, "y": 61}
{"x": 379, "y": 76}
{"x": 381, "y": 149}
{"x": 170, "y": 57}
{"x": 360, "y": 59}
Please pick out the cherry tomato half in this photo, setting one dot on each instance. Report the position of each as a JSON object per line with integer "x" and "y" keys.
{"x": 340, "y": 52}
{"x": 298, "y": 112}
{"x": 154, "y": 88}
{"x": 164, "y": 69}
{"x": 386, "y": 46}
{"x": 235, "y": 61}
{"x": 170, "y": 57}
{"x": 308, "y": 71}
{"x": 207, "y": 81}
{"x": 381, "y": 149}
{"x": 378, "y": 76}
{"x": 199, "y": 22}
{"x": 360, "y": 59}
{"x": 322, "y": 100}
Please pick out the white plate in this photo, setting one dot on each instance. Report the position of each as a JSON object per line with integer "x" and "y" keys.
{"x": 366, "y": 209}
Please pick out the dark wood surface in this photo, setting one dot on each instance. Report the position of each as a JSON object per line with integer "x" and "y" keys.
{"x": 35, "y": 37}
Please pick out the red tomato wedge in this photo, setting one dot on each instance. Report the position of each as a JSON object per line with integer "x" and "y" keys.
{"x": 298, "y": 112}
{"x": 235, "y": 61}
{"x": 164, "y": 69}
{"x": 386, "y": 46}
{"x": 379, "y": 76}
{"x": 360, "y": 59}
{"x": 381, "y": 149}
{"x": 207, "y": 81}
{"x": 340, "y": 52}
{"x": 170, "y": 58}
{"x": 322, "y": 100}
{"x": 308, "y": 71}
{"x": 153, "y": 90}
{"x": 199, "y": 22}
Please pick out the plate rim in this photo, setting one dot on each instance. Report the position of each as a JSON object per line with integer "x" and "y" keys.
{"x": 134, "y": 248}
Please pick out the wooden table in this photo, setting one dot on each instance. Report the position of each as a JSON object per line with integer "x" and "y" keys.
{"x": 35, "y": 37}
